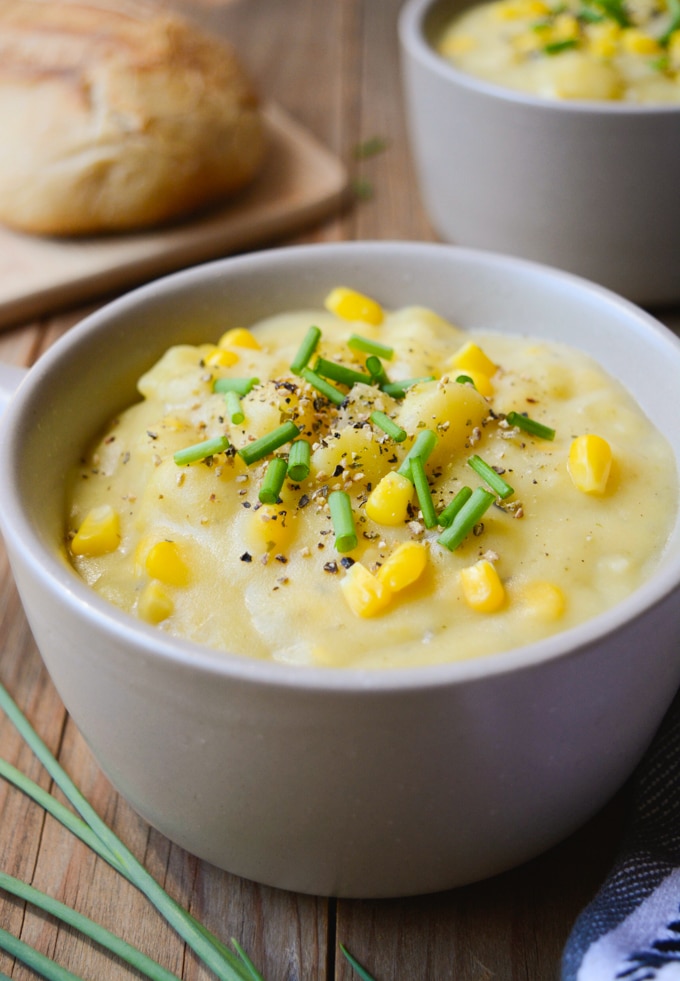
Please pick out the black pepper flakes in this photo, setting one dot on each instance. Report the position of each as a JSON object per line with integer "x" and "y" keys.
{"x": 246, "y": 557}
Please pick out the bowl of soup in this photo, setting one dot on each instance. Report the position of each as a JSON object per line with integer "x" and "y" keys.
{"x": 349, "y": 560}
{"x": 550, "y": 132}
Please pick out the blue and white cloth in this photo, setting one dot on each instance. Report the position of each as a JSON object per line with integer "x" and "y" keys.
{"x": 631, "y": 929}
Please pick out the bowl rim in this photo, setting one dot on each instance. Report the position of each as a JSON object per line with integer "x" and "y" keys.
{"x": 414, "y": 43}
{"x": 60, "y": 580}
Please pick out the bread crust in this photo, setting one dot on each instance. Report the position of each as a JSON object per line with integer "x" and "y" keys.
{"x": 115, "y": 119}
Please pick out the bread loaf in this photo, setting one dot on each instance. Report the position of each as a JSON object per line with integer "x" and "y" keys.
{"x": 116, "y": 118}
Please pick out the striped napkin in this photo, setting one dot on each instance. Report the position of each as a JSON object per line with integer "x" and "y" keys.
{"x": 631, "y": 929}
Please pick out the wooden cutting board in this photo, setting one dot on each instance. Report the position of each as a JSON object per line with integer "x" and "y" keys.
{"x": 301, "y": 183}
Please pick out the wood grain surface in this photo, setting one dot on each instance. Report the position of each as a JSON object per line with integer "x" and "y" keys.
{"x": 333, "y": 66}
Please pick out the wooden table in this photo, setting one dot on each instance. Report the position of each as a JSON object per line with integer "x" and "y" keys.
{"x": 333, "y": 65}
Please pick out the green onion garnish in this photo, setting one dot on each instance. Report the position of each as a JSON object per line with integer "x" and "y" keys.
{"x": 453, "y": 507}
{"x": 466, "y": 519}
{"x": 340, "y": 504}
{"x": 239, "y": 385}
{"x": 425, "y": 442}
{"x": 465, "y": 380}
{"x": 397, "y": 389}
{"x": 332, "y": 393}
{"x": 530, "y": 425}
{"x": 306, "y": 350}
{"x": 274, "y": 476}
{"x": 340, "y": 372}
{"x": 616, "y": 10}
{"x": 234, "y": 409}
{"x": 489, "y": 475}
{"x": 376, "y": 369}
{"x": 388, "y": 426}
{"x": 298, "y": 460}
{"x": 200, "y": 451}
{"x": 674, "y": 25}
{"x": 365, "y": 344}
{"x": 265, "y": 445}
{"x": 423, "y": 491}
{"x": 557, "y": 47}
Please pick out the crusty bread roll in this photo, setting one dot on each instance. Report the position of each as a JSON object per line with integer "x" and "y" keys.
{"x": 117, "y": 117}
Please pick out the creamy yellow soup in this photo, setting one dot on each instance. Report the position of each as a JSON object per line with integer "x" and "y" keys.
{"x": 566, "y": 491}
{"x": 625, "y": 50}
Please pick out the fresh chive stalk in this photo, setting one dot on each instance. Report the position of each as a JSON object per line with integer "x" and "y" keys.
{"x": 453, "y": 507}
{"x": 389, "y": 426}
{"x": 32, "y": 958}
{"x": 214, "y": 954}
{"x": 465, "y": 380}
{"x": 361, "y": 971}
{"x": 332, "y": 393}
{"x": 376, "y": 370}
{"x": 423, "y": 492}
{"x": 200, "y": 451}
{"x": 268, "y": 443}
{"x": 398, "y": 389}
{"x": 275, "y": 474}
{"x": 367, "y": 346}
{"x": 306, "y": 350}
{"x": 489, "y": 475}
{"x": 104, "y": 938}
{"x": 239, "y": 385}
{"x": 234, "y": 407}
{"x": 340, "y": 372}
{"x": 299, "y": 460}
{"x": 340, "y": 504}
{"x": 466, "y": 519}
{"x": 530, "y": 425}
{"x": 424, "y": 443}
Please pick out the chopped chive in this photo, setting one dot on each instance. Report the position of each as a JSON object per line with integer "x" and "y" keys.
{"x": 340, "y": 504}
{"x": 674, "y": 25}
{"x": 234, "y": 409}
{"x": 376, "y": 369}
{"x": 388, "y": 426}
{"x": 239, "y": 385}
{"x": 397, "y": 389}
{"x": 466, "y": 519}
{"x": 530, "y": 425}
{"x": 424, "y": 444}
{"x": 265, "y": 445}
{"x": 340, "y": 372}
{"x": 306, "y": 350}
{"x": 465, "y": 380}
{"x": 423, "y": 492}
{"x": 368, "y": 148}
{"x": 200, "y": 451}
{"x": 488, "y": 474}
{"x": 332, "y": 393}
{"x": 274, "y": 476}
{"x": 365, "y": 344}
{"x": 453, "y": 507}
{"x": 556, "y": 47}
{"x": 298, "y": 460}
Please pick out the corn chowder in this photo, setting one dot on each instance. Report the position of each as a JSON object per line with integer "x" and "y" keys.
{"x": 360, "y": 487}
{"x": 626, "y": 50}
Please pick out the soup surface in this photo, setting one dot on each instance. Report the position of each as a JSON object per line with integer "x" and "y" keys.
{"x": 289, "y": 492}
{"x": 627, "y": 51}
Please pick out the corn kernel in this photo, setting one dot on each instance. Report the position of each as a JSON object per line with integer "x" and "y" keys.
{"x": 515, "y": 9}
{"x": 221, "y": 358}
{"x": 99, "y": 532}
{"x": 404, "y": 566}
{"x": 271, "y": 527}
{"x": 543, "y": 600}
{"x": 351, "y": 305}
{"x": 565, "y": 28}
{"x": 239, "y": 337}
{"x": 470, "y": 357}
{"x": 389, "y": 500}
{"x": 674, "y": 50}
{"x": 589, "y": 464}
{"x": 365, "y": 594}
{"x": 636, "y": 41}
{"x": 603, "y": 38}
{"x": 165, "y": 563}
{"x": 483, "y": 590}
{"x": 154, "y": 603}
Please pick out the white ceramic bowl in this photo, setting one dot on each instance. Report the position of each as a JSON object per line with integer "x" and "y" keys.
{"x": 589, "y": 187}
{"x": 326, "y": 781}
